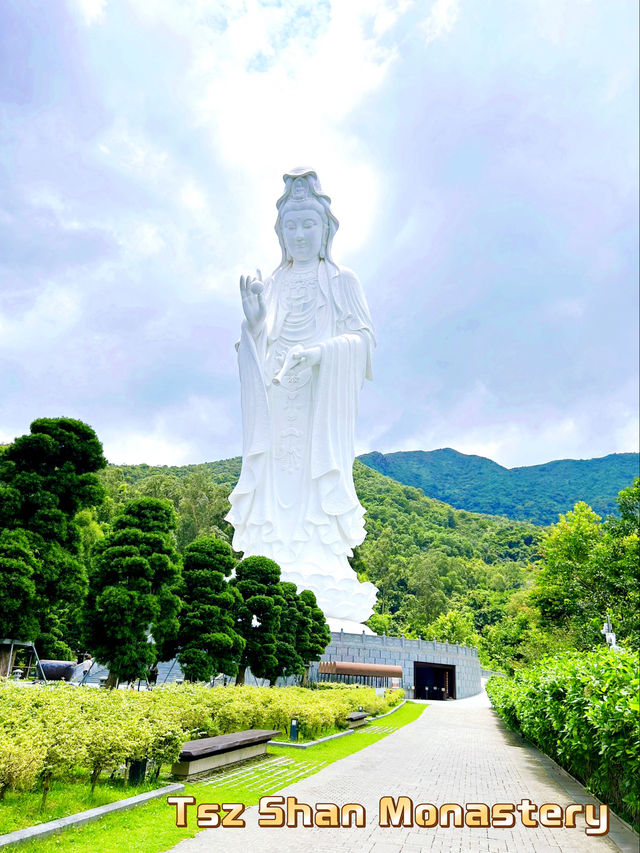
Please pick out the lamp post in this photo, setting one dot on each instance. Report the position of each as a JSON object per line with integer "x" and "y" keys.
{"x": 607, "y": 632}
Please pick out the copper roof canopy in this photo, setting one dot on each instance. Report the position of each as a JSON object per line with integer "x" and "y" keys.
{"x": 377, "y": 670}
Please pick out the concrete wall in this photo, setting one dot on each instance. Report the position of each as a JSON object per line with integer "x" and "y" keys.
{"x": 397, "y": 651}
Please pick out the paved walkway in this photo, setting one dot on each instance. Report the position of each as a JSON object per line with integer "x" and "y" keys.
{"x": 457, "y": 752}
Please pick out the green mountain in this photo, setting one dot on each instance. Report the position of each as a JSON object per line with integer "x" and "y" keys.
{"x": 416, "y": 522}
{"x": 537, "y": 493}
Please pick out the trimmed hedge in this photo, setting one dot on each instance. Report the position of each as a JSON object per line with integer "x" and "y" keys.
{"x": 582, "y": 709}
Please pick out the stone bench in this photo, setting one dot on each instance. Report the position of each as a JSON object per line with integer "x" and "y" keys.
{"x": 357, "y": 719}
{"x": 208, "y": 753}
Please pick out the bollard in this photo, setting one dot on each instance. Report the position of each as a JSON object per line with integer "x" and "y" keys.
{"x": 137, "y": 771}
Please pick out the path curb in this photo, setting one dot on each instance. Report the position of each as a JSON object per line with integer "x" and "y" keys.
{"x": 309, "y": 743}
{"x": 392, "y": 711}
{"x": 41, "y": 830}
{"x": 331, "y": 737}
{"x": 621, "y": 833}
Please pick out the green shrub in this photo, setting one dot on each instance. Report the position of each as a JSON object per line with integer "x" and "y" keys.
{"x": 46, "y": 731}
{"x": 581, "y": 708}
{"x": 21, "y": 760}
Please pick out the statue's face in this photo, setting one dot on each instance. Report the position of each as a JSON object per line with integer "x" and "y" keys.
{"x": 302, "y": 232}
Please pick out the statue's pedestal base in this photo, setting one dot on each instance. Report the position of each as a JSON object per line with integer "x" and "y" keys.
{"x": 348, "y": 626}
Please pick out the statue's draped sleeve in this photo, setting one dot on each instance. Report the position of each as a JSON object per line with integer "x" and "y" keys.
{"x": 255, "y": 426}
{"x": 352, "y": 311}
{"x": 344, "y": 364}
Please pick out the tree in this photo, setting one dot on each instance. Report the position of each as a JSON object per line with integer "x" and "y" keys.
{"x": 18, "y": 617}
{"x": 46, "y": 478}
{"x": 207, "y": 638}
{"x": 589, "y": 569}
{"x": 315, "y": 635}
{"x": 202, "y": 508}
{"x": 294, "y": 623}
{"x": 91, "y": 532}
{"x": 200, "y": 503}
{"x": 303, "y": 635}
{"x": 376, "y": 555}
{"x": 518, "y": 640}
{"x": 616, "y": 565}
{"x": 452, "y": 627}
{"x": 130, "y": 614}
{"x": 485, "y": 606}
{"x": 426, "y": 599}
{"x": 258, "y": 615}
{"x": 117, "y": 493}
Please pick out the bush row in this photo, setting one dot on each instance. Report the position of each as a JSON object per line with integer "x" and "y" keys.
{"x": 581, "y": 708}
{"x": 47, "y": 730}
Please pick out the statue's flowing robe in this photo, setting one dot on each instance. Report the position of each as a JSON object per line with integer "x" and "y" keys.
{"x": 295, "y": 501}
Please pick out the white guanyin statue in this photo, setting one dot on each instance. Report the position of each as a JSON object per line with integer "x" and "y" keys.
{"x": 304, "y": 352}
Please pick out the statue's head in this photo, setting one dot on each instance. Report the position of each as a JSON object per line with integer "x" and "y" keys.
{"x": 303, "y": 192}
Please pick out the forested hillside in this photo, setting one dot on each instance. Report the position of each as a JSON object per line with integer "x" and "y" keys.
{"x": 443, "y": 573}
{"x": 537, "y": 493}
{"x": 415, "y": 522}
{"x": 428, "y": 560}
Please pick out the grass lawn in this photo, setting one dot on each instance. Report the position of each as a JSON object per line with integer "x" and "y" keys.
{"x": 151, "y": 828}
{"x": 66, "y": 797}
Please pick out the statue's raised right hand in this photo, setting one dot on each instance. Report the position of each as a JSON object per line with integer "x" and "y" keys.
{"x": 251, "y": 290}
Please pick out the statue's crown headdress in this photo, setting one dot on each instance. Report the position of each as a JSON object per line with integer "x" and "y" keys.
{"x": 302, "y": 189}
{"x": 302, "y": 185}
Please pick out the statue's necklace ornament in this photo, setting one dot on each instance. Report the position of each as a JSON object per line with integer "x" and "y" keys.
{"x": 305, "y": 350}
{"x": 301, "y": 297}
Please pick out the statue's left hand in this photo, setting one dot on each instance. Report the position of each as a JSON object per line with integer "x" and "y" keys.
{"x": 296, "y": 361}
{"x": 309, "y": 357}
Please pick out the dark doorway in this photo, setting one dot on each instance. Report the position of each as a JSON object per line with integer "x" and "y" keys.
{"x": 434, "y": 681}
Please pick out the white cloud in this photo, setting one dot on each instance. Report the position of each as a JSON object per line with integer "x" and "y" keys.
{"x": 175, "y": 436}
{"x": 131, "y": 151}
{"x": 442, "y": 18}
{"x": 142, "y": 239}
{"x": 52, "y": 315}
{"x": 513, "y": 443}
{"x": 627, "y": 436}
{"x": 7, "y": 436}
{"x": 91, "y": 11}
{"x": 171, "y": 159}
{"x": 273, "y": 86}
{"x": 184, "y": 205}
{"x": 553, "y": 18}
{"x": 46, "y": 197}
{"x": 193, "y": 198}
{"x": 156, "y": 447}
{"x": 387, "y": 14}
{"x": 566, "y": 309}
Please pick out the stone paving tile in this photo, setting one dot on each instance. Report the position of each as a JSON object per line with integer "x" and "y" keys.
{"x": 457, "y": 752}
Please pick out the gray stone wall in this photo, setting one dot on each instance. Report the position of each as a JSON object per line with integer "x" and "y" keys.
{"x": 364, "y": 648}
{"x": 398, "y": 651}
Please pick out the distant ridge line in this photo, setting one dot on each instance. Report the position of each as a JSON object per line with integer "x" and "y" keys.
{"x": 536, "y": 493}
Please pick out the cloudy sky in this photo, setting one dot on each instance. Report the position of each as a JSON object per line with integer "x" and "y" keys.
{"x": 482, "y": 160}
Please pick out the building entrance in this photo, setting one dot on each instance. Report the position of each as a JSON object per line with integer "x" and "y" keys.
{"x": 434, "y": 681}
